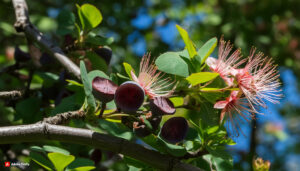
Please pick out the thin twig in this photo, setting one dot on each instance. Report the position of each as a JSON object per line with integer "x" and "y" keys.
{"x": 14, "y": 94}
{"x": 23, "y": 24}
{"x": 64, "y": 118}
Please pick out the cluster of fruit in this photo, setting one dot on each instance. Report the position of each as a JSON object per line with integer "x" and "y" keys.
{"x": 129, "y": 97}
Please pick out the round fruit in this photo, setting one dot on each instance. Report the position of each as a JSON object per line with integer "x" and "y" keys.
{"x": 161, "y": 106}
{"x": 129, "y": 96}
{"x": 104, "y": 89}
{"x": 174, "y": 130}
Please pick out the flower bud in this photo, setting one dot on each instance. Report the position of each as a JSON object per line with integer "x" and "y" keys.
{"x": 104, "y": 89}
{"x": 161, "y": 106}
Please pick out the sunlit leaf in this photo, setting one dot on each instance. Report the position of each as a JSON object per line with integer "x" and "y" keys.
{"x": 201, "y": 77}
{"x": 89, "y": 16}
{"x": 188, "y": 42}
{"x": 60, "y": 161}
{"x": 128, "y": 69}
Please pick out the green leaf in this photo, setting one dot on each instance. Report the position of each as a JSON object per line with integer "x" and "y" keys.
{"x": 48, "y": 78}
{"x": 66, "y": 22}
{"x": 175, "y": 150}
{"x": 212, "y": 129}
{"x": 89, "y": 16}
{"x": 209, "y": 115}
{"x": 98, "y": 40}
{"x": 37, "y": 149}
{"x": 201, "y": 77}
{"x": 128, "y": 69}
{"x": 81, "y": 164}
{"x": 177, "y": 101}
{"x": 60, "y": 161}
{"x": 41, "y": 160}
{"x": 187, "y": 41}
{"x": 116, "y": 129}
{"x": 220, "y": 159}
{"x": 29, "y": 110}
{"x": 172, "y": 63}
{"x": 87, "y": 87}
{"x": 55, "y": 149}
{"x": 73, "y": 82}
{"x": 96, "y": 61}
{"x": 70, "y": 103}
{"x": 206, "y": 49}
{"x": 152, "y": 141}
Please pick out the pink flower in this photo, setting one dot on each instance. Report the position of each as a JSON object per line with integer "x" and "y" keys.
{"x": 152, "y": 81}
{"x": 225, "y": 65}
{"x": 235, "y": 110}
{"x": 259, "y": 80}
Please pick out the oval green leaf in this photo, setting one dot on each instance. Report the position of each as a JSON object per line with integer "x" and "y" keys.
{"x": 89, "y": 16}
{"x": 60, "y": 161}
{"x": 201, "y": 77}
{"x": 49, "y": 148}
{"x": 207, "y": 49}
{"x": 128, "y": 69}
{"x": 187, "y": 41}
{"x": 172, "y": 63}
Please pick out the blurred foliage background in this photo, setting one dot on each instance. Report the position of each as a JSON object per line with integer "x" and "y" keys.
{"x": 137, "y": 27}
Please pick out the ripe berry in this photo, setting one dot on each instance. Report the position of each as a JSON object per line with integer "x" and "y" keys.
{"x": 174, "y": 130}
{"x": 161, "y": 106}
{"x": 129, "y": 96}
{"x": 104, "y": 89}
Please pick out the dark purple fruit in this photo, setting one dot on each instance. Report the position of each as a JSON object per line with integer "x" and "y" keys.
{"x": 129, "y": 96}
{"x": 174, "y": 130}
{"x": 96, "y": 156}
{"x": 161, "y": 106}
{"x": 104, "y": 89}
{"x": 21, "y": 56}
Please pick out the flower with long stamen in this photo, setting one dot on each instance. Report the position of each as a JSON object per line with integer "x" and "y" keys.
{"x": 225, "y": 64}
{"x": 235, "y": 110}
{"x": 259, "y": 80}
{"x": 152, "y": 81}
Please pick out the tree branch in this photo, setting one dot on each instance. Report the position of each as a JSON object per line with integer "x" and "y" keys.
{"x": 23, "y": 24}
{"x": 64, "y": 118}
{"x": 14, "y": 94}
{"x": 44, "y": 131}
